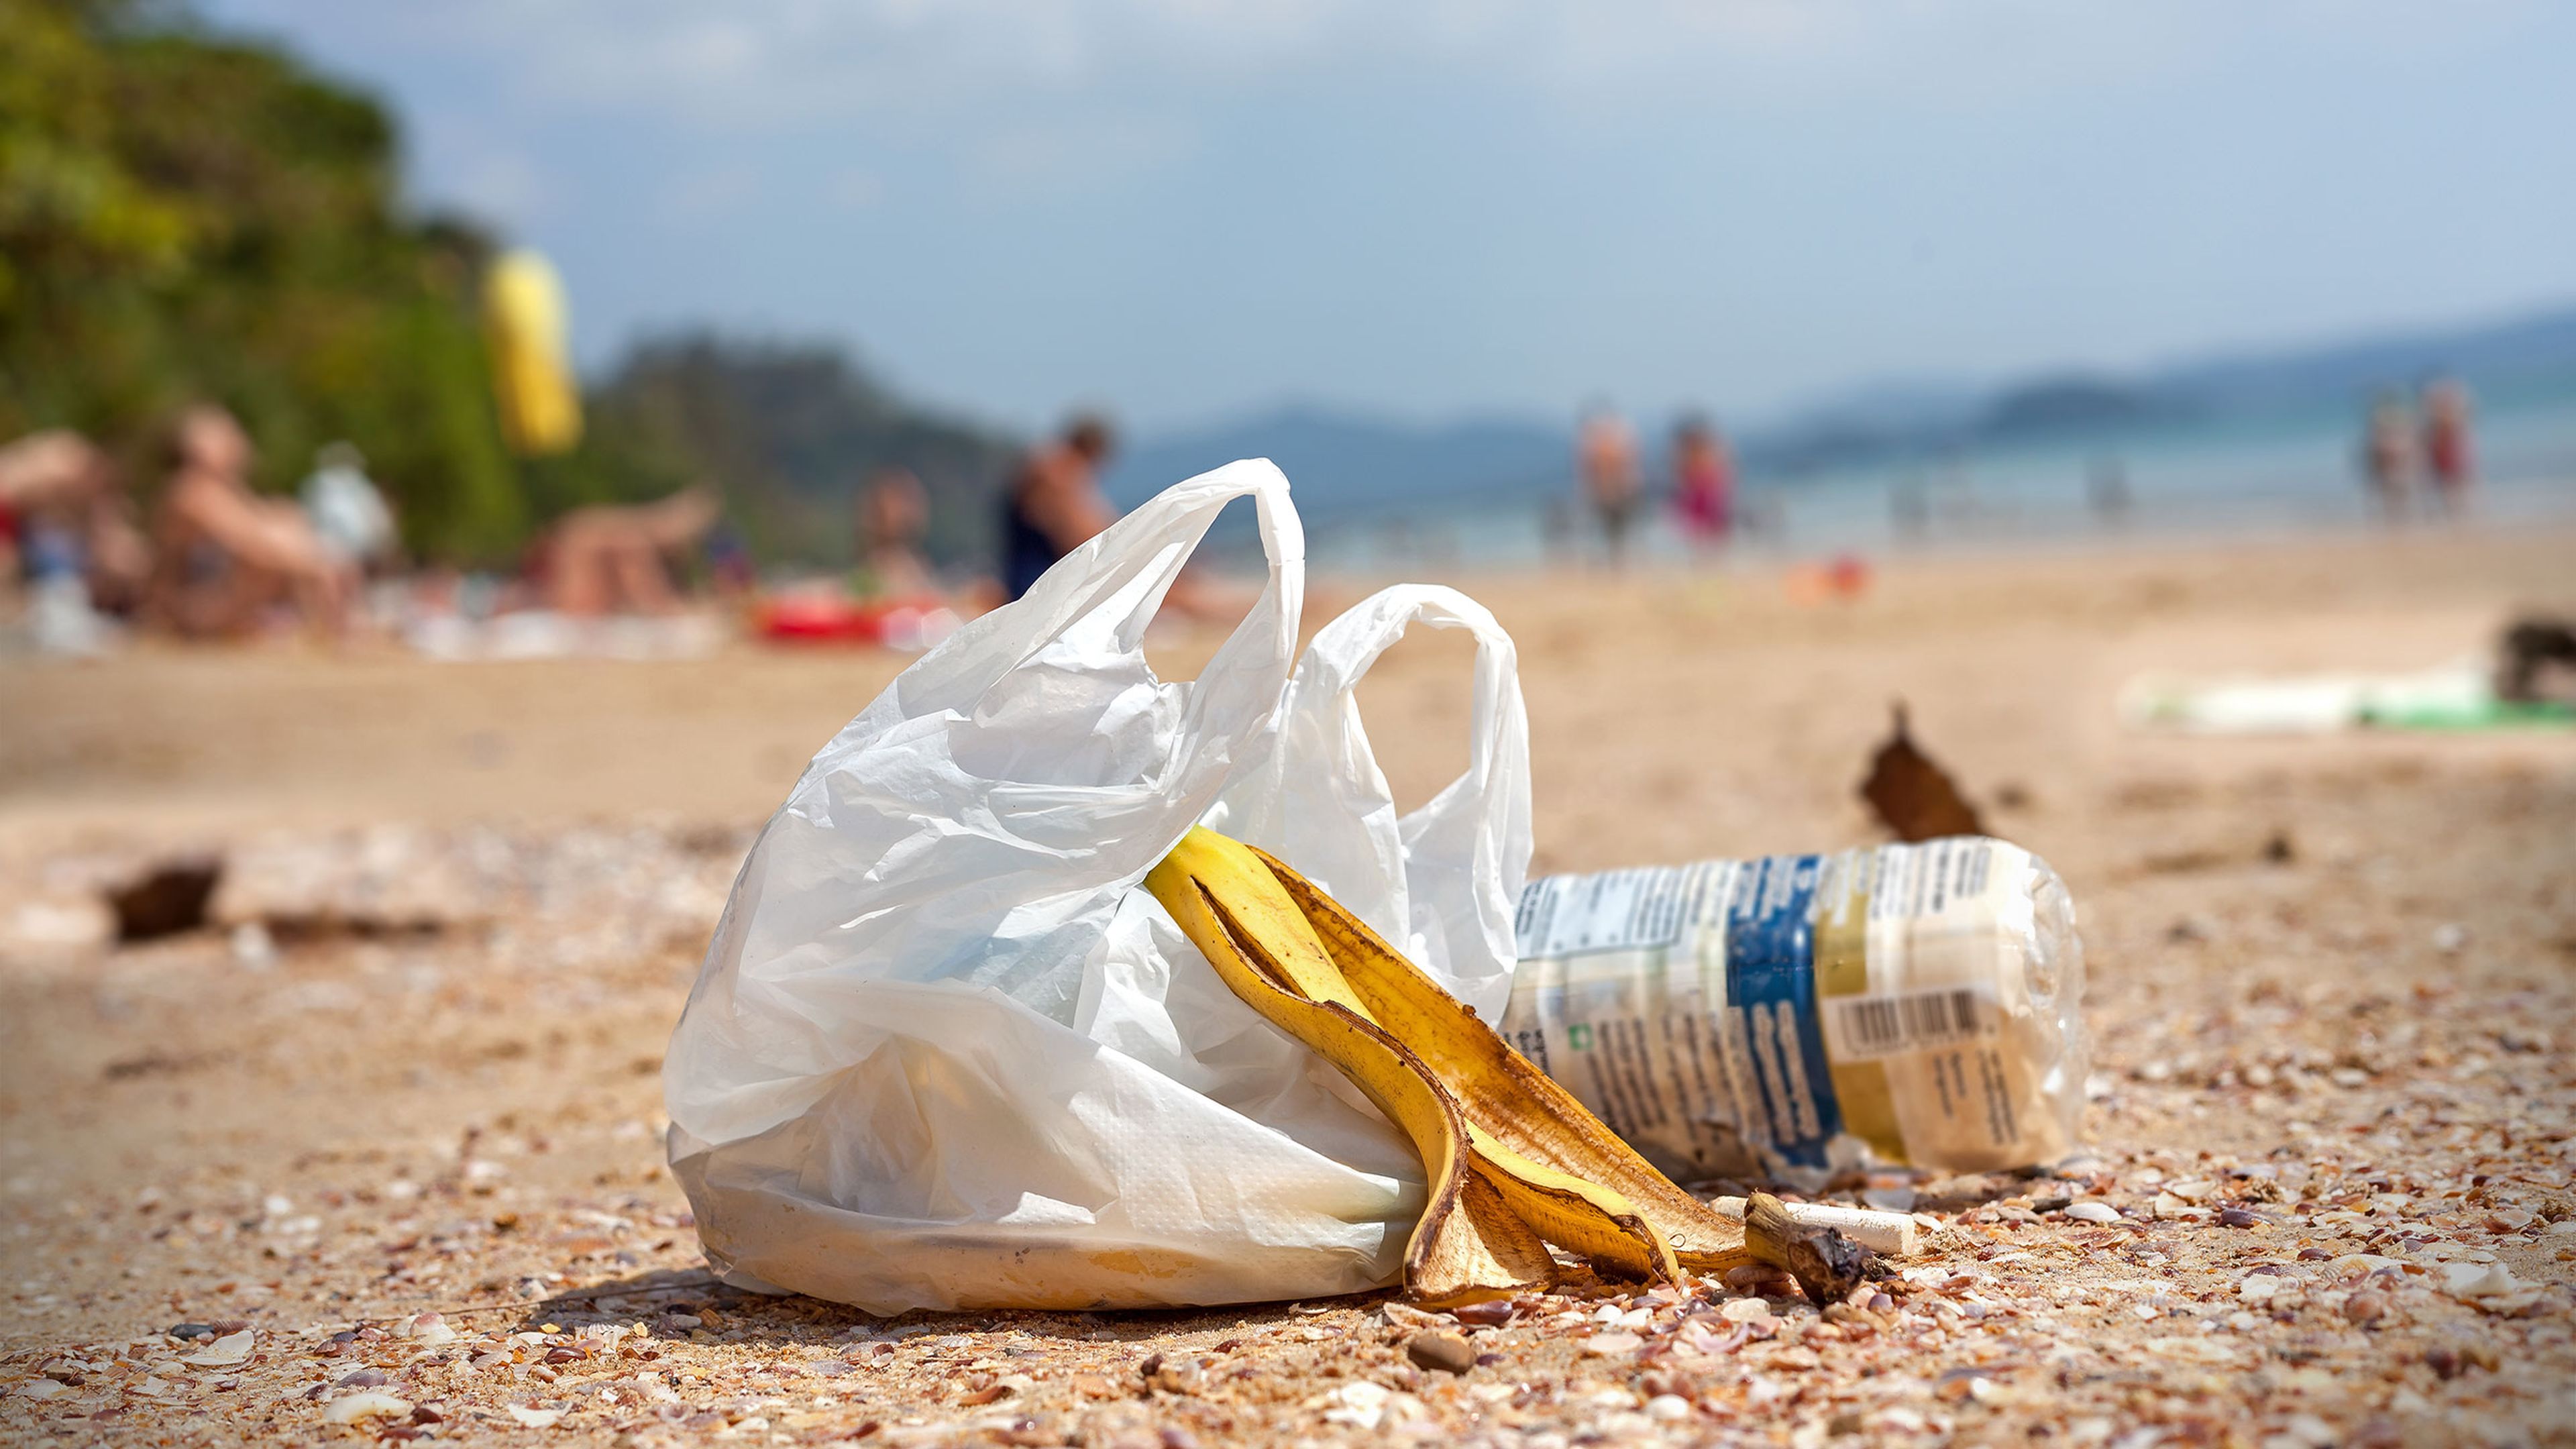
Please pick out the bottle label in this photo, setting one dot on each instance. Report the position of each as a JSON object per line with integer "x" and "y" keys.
{"x": 1734, "y": 1018}
{"x": 1771, "y": 1007}
{"x": 1869, "y": 1028}
{"x": 1619, "y": 1007}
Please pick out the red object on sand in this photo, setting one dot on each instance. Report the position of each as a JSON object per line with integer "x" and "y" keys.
{"x": 1849, "y": 574}
{"x": 832, "y": 619}
{"x": 819, "y": 619}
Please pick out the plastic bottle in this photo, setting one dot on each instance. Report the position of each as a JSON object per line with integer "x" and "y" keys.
{"x": 1797, "y": 1014}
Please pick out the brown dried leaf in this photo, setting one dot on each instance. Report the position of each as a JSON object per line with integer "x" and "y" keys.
{"x": 169, "y": 898}
{"x": 1913, "y": 796}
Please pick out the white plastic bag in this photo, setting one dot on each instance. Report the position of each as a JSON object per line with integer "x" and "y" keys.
{"x": 943, "y": 1054}
{"x": 1442, "y": 883}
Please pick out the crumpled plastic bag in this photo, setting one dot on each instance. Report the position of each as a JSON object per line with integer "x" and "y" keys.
{"x": 943, "y": 1054}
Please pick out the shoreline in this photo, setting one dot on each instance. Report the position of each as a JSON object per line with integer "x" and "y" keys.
{"x": 2142, "y": 537}
{"x": 194, "y": 739}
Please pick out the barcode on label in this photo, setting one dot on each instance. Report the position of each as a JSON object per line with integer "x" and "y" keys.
{"x": 1868, "y": 1027}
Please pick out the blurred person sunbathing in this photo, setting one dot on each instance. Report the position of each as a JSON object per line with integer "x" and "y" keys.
{"x": 894, "y": 516}
{"x": 225, "y": 558}
{"x": 58, "y": 483}
{"x": 617, "y": 558}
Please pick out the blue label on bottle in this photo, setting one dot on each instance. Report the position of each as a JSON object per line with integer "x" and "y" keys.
{"x": 1771, "y": 1003}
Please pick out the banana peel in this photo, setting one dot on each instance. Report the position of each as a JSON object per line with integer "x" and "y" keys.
{"x": 1514, "y": 1163}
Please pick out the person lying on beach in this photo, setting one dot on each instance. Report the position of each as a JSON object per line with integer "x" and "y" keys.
{"x": 55, "y": 471}
{"x": 616, "y": 558}
{"x": 224, "y": 558}
{"x": 58, "y": 483}
{"x": 894, "y": 514}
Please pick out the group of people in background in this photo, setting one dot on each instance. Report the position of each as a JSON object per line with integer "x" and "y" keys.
{"x": 212, "y": 557}
{"x": 215, "y": 558}
{"x": 1612, "y": 474}
{"x": 2418, "y": 457}
{"x": 1051, "y": 502}
{"x": 2420, "y": 449}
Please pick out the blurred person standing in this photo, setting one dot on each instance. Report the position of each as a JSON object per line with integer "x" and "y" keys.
{"x": 1909, "y": 505}
{"x": 2106, "y": 488}
{"x": 2450, "y": 450}
{"x": 2388, "y": 455}
{"x": 1703, "y": 484}
{"x": 224, "y": 557}
{"x": 1053, "y": 503}
{"x": 1606, "y": 462}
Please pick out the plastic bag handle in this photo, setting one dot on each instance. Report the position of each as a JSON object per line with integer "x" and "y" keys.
{"x": 855, "y": 880}
{"x": 1346, "y": 649}
{"x": 1130, "y": 566}
{"x": 1479, "y": 823}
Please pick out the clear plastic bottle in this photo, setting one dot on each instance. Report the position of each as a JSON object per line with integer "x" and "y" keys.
{"x": 1787, "y": 1016}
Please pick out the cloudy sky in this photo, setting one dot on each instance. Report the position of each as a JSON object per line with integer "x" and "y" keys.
{"x": 1185, "y": 209}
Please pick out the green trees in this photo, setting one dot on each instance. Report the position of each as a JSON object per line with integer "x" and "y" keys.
{"x": 789, "y": 432}
{"x": 184, "y": 217}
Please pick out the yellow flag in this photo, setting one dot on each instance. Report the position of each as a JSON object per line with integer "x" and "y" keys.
{"x": 523, "y": 320}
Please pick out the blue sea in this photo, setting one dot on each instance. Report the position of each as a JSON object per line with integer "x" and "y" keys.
{"x": 2268, "y": 476}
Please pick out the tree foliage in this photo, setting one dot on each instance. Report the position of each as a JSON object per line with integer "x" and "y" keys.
{"x": 790, "y": 432}
{"x": 186, "y": 216}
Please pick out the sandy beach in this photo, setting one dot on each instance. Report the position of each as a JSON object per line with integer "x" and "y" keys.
{"x": 414, "y": 1066}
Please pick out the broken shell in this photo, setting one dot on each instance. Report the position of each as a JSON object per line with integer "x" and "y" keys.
{"x": 350, "y": 1408}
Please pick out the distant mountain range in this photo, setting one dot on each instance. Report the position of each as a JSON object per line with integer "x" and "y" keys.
{"x": 1351, "y": 465}
{"x": 794, "y": 431}
{"x": 1348, "y": 463}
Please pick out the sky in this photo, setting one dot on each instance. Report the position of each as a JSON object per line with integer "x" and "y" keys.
{"x": 1189, "y": 210}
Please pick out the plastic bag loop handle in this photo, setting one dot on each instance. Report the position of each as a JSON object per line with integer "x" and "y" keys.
{"x": 1346, "y": 649}
{"x": 1130, "y": 565}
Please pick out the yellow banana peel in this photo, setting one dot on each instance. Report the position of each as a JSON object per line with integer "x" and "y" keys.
{"x": 1514, "y": 1163}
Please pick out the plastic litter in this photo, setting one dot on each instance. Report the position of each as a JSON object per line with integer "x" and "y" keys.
{"x": 1795, "y": 1014}
{"x": 942, "y": 1054}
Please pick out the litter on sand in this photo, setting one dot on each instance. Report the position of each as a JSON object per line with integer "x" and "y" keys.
{"x": 2530, "y": 685}
{"x": 1016, "y": 1001}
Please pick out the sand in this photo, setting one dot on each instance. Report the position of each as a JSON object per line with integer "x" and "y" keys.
{"x": 416, "y": 1069}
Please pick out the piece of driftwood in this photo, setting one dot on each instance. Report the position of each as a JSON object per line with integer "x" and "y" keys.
{"x": 1825, "y": 1263}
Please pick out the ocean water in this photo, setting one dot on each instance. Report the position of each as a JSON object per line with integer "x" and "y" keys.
{"x": 2268, "y": 476}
